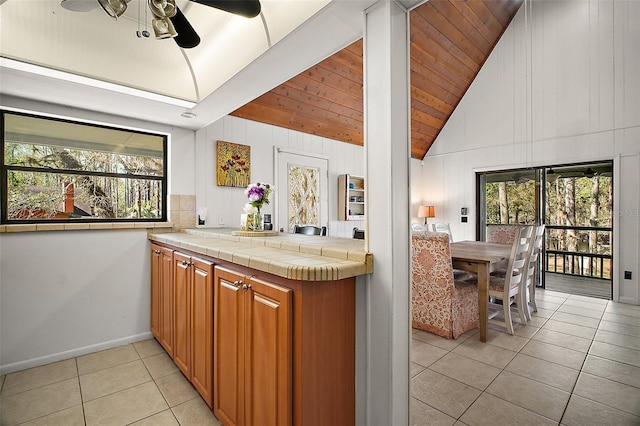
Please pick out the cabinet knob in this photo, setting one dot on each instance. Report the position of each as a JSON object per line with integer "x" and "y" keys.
{"x": 157, "y": 251}
{"x": 246, "y": 287}
{"x": 237, "y": 283}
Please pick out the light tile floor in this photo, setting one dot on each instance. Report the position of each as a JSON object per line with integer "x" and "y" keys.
{"x": 576, "y": 363}
{"x": 136, "y": 384}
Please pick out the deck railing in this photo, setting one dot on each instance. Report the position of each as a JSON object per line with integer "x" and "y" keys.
{"x": 580, "y": 263}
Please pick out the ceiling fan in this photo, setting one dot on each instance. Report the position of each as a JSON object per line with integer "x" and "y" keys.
{"x": 168, "y": 21}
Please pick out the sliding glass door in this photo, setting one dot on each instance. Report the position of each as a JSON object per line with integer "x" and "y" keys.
{"x": 579, "y": 219}
{"x": 575, "y": 202}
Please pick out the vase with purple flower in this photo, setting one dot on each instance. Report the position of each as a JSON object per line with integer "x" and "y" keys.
{"x": 258, "y": 195}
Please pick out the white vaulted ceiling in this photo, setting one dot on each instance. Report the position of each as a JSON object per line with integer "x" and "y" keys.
{"x": 92, "y": 44}
{"x": 237, "y": 60}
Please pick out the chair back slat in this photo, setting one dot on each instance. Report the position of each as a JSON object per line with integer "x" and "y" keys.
{"x": 519, "y": 258}
{"x": 535, "y": 252}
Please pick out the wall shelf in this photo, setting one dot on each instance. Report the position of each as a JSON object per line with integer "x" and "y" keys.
{"x": 351, "y": 199}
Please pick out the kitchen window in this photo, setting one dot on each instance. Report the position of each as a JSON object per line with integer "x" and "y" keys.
{"x": 57, "y": 170}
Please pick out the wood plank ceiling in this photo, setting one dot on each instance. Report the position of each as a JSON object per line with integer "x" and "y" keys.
{"x": 450, "y": 41}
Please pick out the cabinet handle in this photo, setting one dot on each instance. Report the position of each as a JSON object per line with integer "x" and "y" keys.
{"x": 157, "y": 251}
{"x": 186, "y": 263}
{"x": 237, "y": 283}
{"x": 246, "y": 287}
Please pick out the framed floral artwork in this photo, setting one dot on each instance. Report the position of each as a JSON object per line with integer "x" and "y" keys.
{"x": 233, "y": 164}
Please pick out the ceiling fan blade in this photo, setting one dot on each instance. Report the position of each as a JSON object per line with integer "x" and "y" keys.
{"x": 246, "y": 8}
{"x": 187, "y": 36}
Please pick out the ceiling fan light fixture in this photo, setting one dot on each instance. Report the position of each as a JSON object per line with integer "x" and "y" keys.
{"x": 79, "y": 5}
{"x": 163, "y": 8}
{"x": 163, "y": 28}
{"x": 114, "y": 8}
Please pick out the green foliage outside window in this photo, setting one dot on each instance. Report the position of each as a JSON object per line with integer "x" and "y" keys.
{"x": 59, "y": 170}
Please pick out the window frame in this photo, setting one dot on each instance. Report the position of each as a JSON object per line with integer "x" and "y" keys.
{"x": 5, "y": 170}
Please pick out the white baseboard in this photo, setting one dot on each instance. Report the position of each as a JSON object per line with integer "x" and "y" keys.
{"x": 628, "y": 300}
{"x": 60, "y": 356}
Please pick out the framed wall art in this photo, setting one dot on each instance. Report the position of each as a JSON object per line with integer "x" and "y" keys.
{"x": 233, "y": 164}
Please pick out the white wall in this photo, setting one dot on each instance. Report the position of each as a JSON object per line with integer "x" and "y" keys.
{"x": 227, "y": 202}
{"x": 71, "y": 290}
{"x": 561, "y": 86}
{"x": 66, "y": 293}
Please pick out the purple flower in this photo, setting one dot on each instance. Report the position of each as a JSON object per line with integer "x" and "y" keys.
{"x": 258, "y": 194}
{"x": 255, "y": 193}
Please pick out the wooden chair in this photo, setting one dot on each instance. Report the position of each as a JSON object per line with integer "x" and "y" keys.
{"x": 440, "y": 304}
{"x": 310, "y": 230}
{"x": 358, "y": 234}
{"x": 443, "y": 227}
{"x": 530, "y": 283}
{"x": 509, "y": 288}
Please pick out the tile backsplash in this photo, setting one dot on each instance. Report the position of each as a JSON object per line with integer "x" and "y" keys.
{"x": 182, "y": 211}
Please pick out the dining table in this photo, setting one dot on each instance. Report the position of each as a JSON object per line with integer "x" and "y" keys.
{"x": 481, "y": 258}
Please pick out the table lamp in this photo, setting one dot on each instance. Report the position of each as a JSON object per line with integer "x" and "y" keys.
{"x": 426, "y": 212}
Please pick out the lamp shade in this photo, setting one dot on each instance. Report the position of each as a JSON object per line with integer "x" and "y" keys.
{"x": 427, "y": 211}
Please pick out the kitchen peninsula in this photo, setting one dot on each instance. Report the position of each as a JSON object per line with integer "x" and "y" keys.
{"x": 263, "y": 326}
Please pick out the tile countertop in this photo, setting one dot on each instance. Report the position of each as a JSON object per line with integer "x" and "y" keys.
{"x": 292, "y": 256}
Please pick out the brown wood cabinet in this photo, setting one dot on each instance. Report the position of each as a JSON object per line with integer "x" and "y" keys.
{"x": 253, "y": 351}
{"x": 193, "y": 321}
{"x": 162, "y": 296}
{"x": 260, "y": 348}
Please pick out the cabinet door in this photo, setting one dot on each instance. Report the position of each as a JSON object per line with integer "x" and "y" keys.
{"x": 156, "y": 289}
{"x": 182, "y": 309}
{"x": 268, "y": 354}
{"x": 166, "y": 300}
{"x": 202, "y": 329}
{"x": 228, "y": 368}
